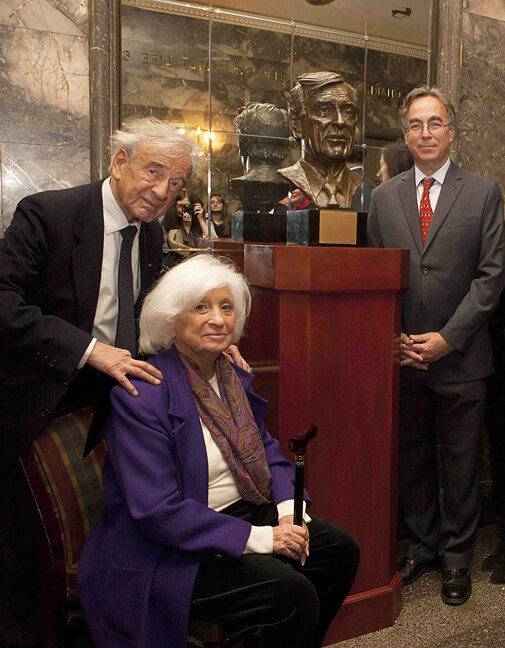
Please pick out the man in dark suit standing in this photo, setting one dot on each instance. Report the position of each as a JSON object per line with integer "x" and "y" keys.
{"x": 451, "y": 220}
{"x": 74, "y": 266}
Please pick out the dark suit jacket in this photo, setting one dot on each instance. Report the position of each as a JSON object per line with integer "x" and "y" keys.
{"x": 138, "y": 566}
{"x": 456, "y": 279}
{"x": 50, "y": 268}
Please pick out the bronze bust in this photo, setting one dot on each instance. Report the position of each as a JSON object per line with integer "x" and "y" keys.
{"x": 263, "y": 143}
{"x": 324, "y": 113}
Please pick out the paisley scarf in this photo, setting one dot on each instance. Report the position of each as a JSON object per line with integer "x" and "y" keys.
{"x": 233, "y": 428}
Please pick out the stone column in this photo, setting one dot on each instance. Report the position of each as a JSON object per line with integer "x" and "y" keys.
{"x": 104, "y": 79}
{"x": 448, "y": 53}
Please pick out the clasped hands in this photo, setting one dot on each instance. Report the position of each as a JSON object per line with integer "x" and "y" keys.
{"x": 419, "y": 351}
{"x": 118, "y": 364}
{"x": 291, "y": 540}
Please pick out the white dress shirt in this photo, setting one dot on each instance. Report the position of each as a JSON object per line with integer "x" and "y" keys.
{"x": 439, "y": 177}
{"x": 105, "y": 321}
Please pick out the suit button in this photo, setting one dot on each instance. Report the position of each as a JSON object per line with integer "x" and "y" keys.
{"x": 66, "y": 383}
{"x": 52, "y": 363}
{"x": 45, "y": 413}
{"x": 426, "y": 271}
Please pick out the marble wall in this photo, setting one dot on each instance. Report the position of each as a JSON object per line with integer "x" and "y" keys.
{"x": 44, "y": 119}
{"x": 482, "y": 127}
{"x": 482, "y": 96}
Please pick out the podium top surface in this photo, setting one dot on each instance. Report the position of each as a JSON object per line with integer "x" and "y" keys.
{"x": 333, "y": 269}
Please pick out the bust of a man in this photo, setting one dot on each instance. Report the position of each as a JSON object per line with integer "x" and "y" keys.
{"x": 263, "y": 142}
{"x": 323, "y": 110}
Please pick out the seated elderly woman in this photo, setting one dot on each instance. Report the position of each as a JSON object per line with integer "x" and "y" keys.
{"x": 197, "y": 517}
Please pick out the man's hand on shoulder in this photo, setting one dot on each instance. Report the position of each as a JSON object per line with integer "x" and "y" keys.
{"x": 430, "y": 346}
{"x": 118, "y": 363}
{"x": 234, "y": 355}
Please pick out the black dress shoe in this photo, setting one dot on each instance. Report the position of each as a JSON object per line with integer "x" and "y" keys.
{"x": 494, "y": 560}
{"x": 456, "y": 586}
{"x": 498, "y": 575}
{"x": 411, "y": 569}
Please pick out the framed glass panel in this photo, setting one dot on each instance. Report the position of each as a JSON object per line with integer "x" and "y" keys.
{"x": 198, "y": 64}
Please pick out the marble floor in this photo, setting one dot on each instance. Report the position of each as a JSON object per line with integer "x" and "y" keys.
{"x": 426, "y": 622}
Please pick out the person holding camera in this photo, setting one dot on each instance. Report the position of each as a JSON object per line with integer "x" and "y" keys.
{"x": 191, "y": 224}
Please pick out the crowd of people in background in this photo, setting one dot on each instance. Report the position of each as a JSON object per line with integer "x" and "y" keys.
{"x": 187, "y": 220}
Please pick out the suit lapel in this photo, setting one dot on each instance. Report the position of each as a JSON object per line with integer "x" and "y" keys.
{"x": 408, "y": 199}
{"x": 86, "y": 257}
{"x": 449, "y": 192}
{"x": 188, "y": 437}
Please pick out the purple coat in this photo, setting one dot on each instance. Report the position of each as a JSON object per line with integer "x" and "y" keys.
{"x": 138, "y": 566}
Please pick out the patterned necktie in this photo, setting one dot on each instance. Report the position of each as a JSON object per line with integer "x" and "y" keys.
{"x": 125, "y": 334}
{"x": 426, "y": 212}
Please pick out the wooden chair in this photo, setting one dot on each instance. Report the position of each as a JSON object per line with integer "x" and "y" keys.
{"x": 66, "y": 494}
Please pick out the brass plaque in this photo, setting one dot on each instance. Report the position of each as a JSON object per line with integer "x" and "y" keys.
{"x": 338, "y": 227}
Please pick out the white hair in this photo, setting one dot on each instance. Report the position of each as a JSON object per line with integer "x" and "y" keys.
{"x": 154, "y": 132}
{"x": 181, "y": 289}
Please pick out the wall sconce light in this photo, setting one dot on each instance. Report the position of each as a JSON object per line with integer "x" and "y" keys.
{"x": 319, "y": 2}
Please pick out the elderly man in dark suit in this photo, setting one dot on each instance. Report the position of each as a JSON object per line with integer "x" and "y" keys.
{"x": 452, "y": 223}
{"x": 74, "y": 266}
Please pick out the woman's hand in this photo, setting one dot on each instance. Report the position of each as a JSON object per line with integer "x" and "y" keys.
{"x": 288, "y": 519}
{"x": 200, "y": 214}
{"x": 291, "y": 540}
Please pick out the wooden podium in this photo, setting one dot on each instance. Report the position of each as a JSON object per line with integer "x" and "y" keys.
{"x": 323, "y": 339}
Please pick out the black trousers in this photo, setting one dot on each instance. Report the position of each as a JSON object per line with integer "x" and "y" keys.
{"x": 455, "y": 413}
{"x": 20, "y": 606}
{"x": 495, "y": 413}
{"x": 271, "y": 601}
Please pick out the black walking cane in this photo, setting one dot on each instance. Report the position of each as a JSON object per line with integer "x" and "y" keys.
{"x": 298, "y": 445}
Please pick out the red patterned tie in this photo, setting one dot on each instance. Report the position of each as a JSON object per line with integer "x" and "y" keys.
{"x": 426, "y": 212}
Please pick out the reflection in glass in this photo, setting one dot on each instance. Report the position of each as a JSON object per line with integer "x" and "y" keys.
{"x": 248, "y": 64}
{"x": 263, "y": 145}
{"x": 196, "y": 64}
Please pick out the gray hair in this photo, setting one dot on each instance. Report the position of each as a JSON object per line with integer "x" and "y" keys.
{"x": 155, "y": 132}
{"x": 425, "y": 91}
{"x": 181, "y": 289}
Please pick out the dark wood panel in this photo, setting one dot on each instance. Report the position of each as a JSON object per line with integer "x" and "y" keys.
{"x": 331, "y": 317}
{"x": 326, "y": 268}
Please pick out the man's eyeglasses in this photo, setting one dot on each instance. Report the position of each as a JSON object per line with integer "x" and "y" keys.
{"x": 434, "y": 126}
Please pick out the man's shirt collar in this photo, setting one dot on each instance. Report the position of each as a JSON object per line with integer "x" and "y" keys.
{"x": 439, "y": 175}
{"x": 113, "y": 216}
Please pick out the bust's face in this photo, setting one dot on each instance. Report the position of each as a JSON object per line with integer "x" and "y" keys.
{"x": 329, "y": 122}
